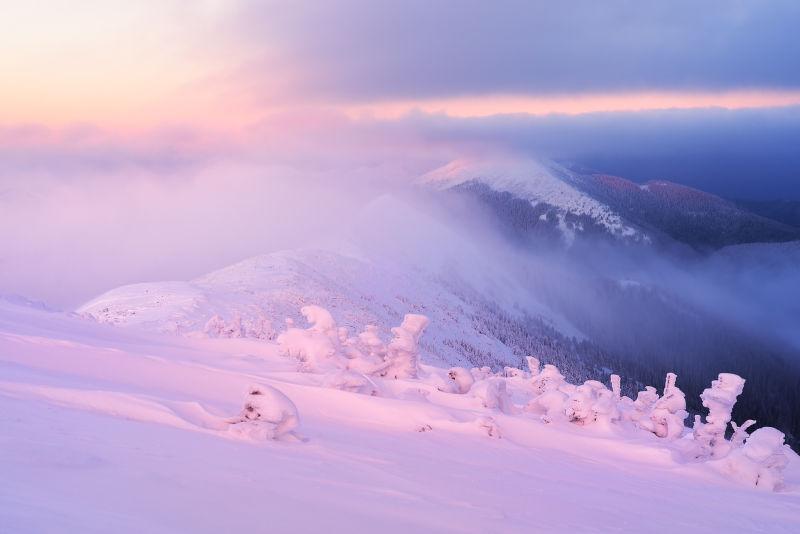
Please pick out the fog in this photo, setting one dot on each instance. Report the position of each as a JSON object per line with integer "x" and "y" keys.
{"x": 66, "y": 241}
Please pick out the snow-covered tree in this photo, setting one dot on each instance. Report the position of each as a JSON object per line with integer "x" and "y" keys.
{"x": 461, "y": 380}
{"x": 669, "y": 412}
{"x": 214, "y": 326}
{"x": 260, "y": 328}
{"x": 493, "y": 394}
{"x": 709, "y": 437}
{"x": 761, "y": 461}
{"x": 234, "y": 328}
{"x": 267, "y": 414}
{"x": 317, "y": 347}
{"x": 550, "y": 393}
{"x": 402, "y": 353}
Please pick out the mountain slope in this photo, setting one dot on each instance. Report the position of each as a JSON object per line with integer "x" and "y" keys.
{"x": 688, "y": 215}
{"x": 115, "y": 430}
{"x": 577, "y": 203}
{"x": 560, "y": 203}
{"x": 467, "y": 327}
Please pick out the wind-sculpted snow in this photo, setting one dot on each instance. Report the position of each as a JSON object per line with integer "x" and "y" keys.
{"x": 109, "y": 429}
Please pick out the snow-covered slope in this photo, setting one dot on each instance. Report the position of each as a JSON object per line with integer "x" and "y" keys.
{"x": 538, "y": 183}
{"x": 115, "y": 430}
{"x": 266, "y": 289}
{"x": 580, "y": 203}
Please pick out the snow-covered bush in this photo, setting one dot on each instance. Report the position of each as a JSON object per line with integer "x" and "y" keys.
{"x": 550, "y": 394}
{"x": 402, "y": 353}
{"x": 761, "y": 461}
{"x": 740, "y": 433}
{"x": 643, "y": 405}
{"x": 317, "y": 347}
{"x": 324, "y": 347}
{"x": 549, "y": 379}
{"x": 494, "y": 395}
{"x": 462, "y": 380}
{"x": 709, "y": 437}
{"x": 663, "y": 416}
{"x": 579, "y": 405}
{"x": 234, "y": 328}
{"x": 365, "y": 352}
{"x": 214, "y": 326}
{"x": 259, "y": 328}
{"x": 267, "y": 414}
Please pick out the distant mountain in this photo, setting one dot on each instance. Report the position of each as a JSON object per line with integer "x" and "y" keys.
{"x": 531, "y": 195}
{"x": 544, "y": 198}
{"x": 691, "y": 216}
{"x": 785, "y": 211}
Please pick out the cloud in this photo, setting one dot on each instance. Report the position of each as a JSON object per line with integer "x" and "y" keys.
{"x": 749, "y": 153}
{"x": 362, "y": 50}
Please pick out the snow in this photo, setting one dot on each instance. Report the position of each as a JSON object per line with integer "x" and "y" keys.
{"x": 536, "y": 182}
{"x": 107, "y": 429}
{"x": 362, "y": 291}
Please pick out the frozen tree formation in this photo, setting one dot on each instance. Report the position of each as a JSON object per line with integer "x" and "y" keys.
{"x": 316, "y": 347}
{"x": 719, "y": 399}
{"x": 493, "y": 394}
{"x": 355, "y": 363}
{"x": 402, "y": 353}
{"x": 760, "y": 461}
{"x": 663, "y": 416}
{"x": 214, "y": 326}
{"x": 550, "y": 393}
{"x": 461, "y": 380}
{"x": 259, "y": 328}
{"x": 323, "y": 347}
{"x": 267, "y": 414}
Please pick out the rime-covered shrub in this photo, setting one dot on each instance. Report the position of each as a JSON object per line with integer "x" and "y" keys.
{"x": 324, "y": 347}
{"x": 549, "y": 379}
{"x": 760, "y": 461}
{"x": 214, "y": 326}
{"x": 550, "y": 394}
{"x": 493, "y": 394}
{"x": 234, "y": 328}
{"x": 402, "y": 353}
{"x": 267, "y": 414}
{"x": 740, "y": 433}
{"x": 667, "y": 413}
{"x": 709, "y": 437}
{"x": 316, "y": 347}
{"x": 258, "y": 328}
{"x": 460, "y": 380}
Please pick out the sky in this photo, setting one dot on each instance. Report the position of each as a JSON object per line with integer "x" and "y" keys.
{"x": 113, "y": 110}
